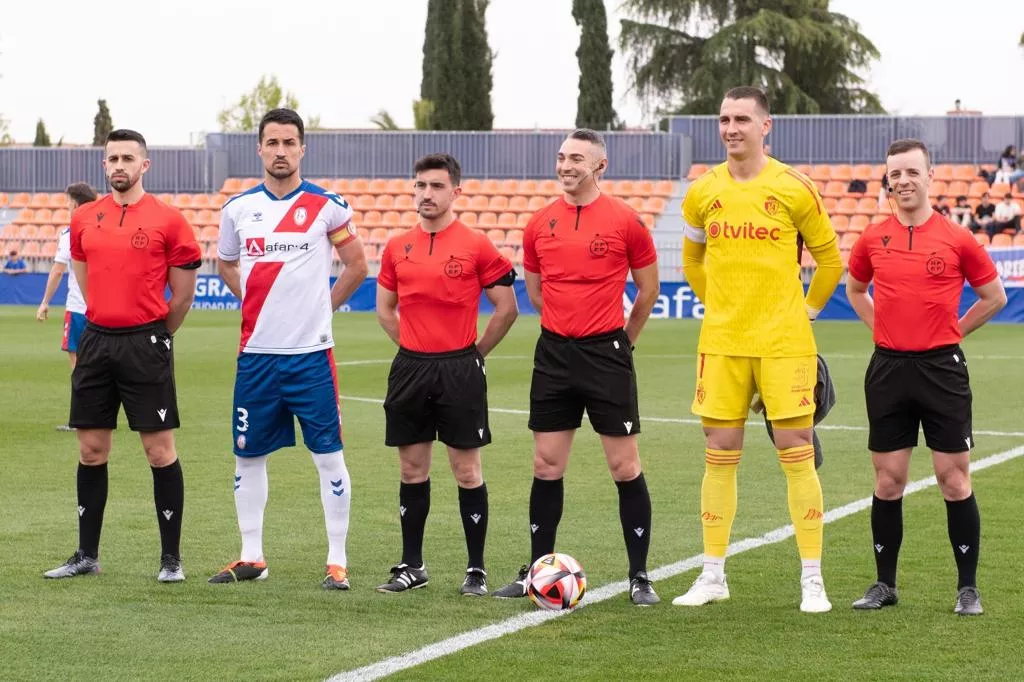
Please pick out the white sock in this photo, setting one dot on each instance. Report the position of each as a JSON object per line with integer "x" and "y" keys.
{"x": 809, "y": 568}
{"x": 715, "y": 565}
{"x": 336, "y": 496}
{"x": 251, "y": 492}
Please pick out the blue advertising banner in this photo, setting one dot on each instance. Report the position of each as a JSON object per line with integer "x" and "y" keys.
{"x": 676, "y": 300}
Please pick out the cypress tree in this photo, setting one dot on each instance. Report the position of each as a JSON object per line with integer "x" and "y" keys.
{"x": 594, "y": 106}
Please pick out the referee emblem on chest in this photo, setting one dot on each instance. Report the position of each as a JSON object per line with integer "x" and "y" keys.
{"x": 935, "y": 265}
{"x": 140, "y": 240}
{"x": 299, "y": 216}
{"x": 453, "y": 268}
{"x": 598, "y": 247}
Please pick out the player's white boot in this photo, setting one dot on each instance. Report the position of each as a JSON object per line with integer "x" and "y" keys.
{"x": 814, "y": 598}
{"x": 708, "y": 587}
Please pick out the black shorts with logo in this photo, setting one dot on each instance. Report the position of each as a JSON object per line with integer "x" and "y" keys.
{"x": 594, "y": 373}
{"x": 905, "y": 390}
{"x": 130, "y": 366}
{"x": 437, "y": 396}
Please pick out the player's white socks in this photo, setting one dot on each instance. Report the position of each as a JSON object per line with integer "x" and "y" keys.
{"x": 336, "y": 495}
{"x": 250, "y": 500}
{"x": 714, "y": 565}
{"x": 809, "y": 568}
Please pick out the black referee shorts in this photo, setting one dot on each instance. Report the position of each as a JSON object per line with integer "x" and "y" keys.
{"x": 593, "y": 373}
{"x": 931, "y": 389}
{"x": 130, "y": 366}
{"x": 440, "y": 396}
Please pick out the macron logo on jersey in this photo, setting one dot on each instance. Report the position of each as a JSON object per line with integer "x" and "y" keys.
{"x": 255, "y": 246}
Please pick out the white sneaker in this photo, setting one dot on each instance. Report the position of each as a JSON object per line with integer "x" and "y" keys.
{"x": 814, "y": 598}
{"x": 707, "y": 588}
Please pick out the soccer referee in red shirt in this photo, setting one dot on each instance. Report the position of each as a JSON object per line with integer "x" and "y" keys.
{"x": 919, "y": 261}
{"x": 126, "y": 248}
{"x": 577, "y": 252}
{"x": 428, "y": 300}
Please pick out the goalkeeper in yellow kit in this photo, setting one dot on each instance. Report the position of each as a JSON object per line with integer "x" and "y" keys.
{"x": 743, "y": 222}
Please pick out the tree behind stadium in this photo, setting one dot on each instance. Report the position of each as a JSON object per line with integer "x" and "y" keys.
{"x": 102, "y": 124}
{"x": 42, "y": 137}
{"x": 267, "y": 94}
{"x": 455, "y": 93}
{"x": 684, "y": 54}
{"x": 594, "y": 106}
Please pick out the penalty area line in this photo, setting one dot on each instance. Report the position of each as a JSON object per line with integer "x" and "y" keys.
{"x": 470, "y": 638}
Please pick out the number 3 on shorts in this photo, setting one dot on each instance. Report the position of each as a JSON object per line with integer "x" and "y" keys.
{"x": 243, "y": 419}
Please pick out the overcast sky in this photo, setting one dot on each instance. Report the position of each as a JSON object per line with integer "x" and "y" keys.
{"x": 167, "y": 68}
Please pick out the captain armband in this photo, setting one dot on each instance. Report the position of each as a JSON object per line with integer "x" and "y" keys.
{"x": 695, "y": 235}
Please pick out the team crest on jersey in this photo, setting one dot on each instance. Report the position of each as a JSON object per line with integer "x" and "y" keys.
{"x": 453, "y": 268}
{"x": 598, "y": 247}
{"x": 140, "y": 240}
{"x": 299, "y": 216}
{"x": 771, "y": 205}
{"x": 885, "y": 240}
{"x": 255, "y": 246}
{"x": 700, "y": 393}
{"x": 935, "y": 265}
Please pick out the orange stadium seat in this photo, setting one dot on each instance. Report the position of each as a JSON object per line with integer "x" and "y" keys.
{"x": 976, "y": 189}
{"x": 43, "y": 215}
{"x": 624, "y": 188}
{"x": 509, "y": 187}
{"x": 867, "y": 205}
{"x": 498, "y": 203}
{"x": 842, "y": 172}
{"x": 471, "y": 186}
{"x": 190, "y": 216}
{"x": 408, "y": 218}
{"x": 858, "y": 223}
{"x": 249, "y": 183}
{"x": 848, "y": 240}
{"x": 377, "y": 186}
{"x": 999, "y": 189}
{"x": 606, "y": 187}
{"x": 548, "y": 188}
{"x": 496, "y": 236}
{"x": 4, "y": 199}
{"x": 478, "y": 203}
{"x": 211, "y": 250}
{"x": 461, "y": 203}
{"x": 834, "y": 188}
{"x": 636, "y": 203}
{"x": 507, "y": 220}
{"x": 200, "y": 201}
{"x": 28, "y": 231}
{"x": 528, "y": 187}
{"x": 644, "y": 188}
{"x": 392, "y": 219}
{"x": 62, "y": 216}
{"x": 490, "y": 187}
{"x": 49, "y": 249}
{"x": 30, "y": 249}
{"x": 937, "y": 188}
{"x": 398, "y": 186}
{"x": 10, "y": 231}
{"x": 830, "y": 204}
{"x": 364, "y": 202}
{"x": 518, "y": 204}
{"x": 340, "y": 186}
{"x": 846, "y": 206}
{"x": 384, "y": 202}
{"x": 209, "y": 234}
{"x": 403, "y": 202}
{"x": 373, "y": 219}
{"x": 208, "y": 217}
{"x": 1001, "y": 240}
{"x": 873, "y": 188}
{"x": 537, "y": 203}
{"x": 957, "y": 188}
{"x": 944, "y": 172}
{"x": 47, "y": 232}
{"x": 840, "y": 223}
{"x": 648, "y": 220}
{"x": 25, "y": 215}
{"x": 981, "y": 238}
{"x": 863, "y": 171}
{"x": 821, "y": 172}
{"x": 20, "y": 200}
{"x": 183, "y": 201}
{"x": 363, "y": 233}
{"x": 523, "y": 220}
{"x": 488, "y": 219}
{"x": 231, "y": 186}
{"x": 654, "y": 204}
{"x": 514, "y": 237}
{"x": 663, "y": 188}
{"x": 967, "y": 173}
{"x": 696, "y": 170}
{"x": 360, "y": 186}
{"x": 378, "y": 235}
{"x": 469, "y": 218}
{"x": 357, "y": 217}
{"x": 40, "y": 200}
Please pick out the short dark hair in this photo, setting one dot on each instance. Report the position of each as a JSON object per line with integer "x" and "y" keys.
{"x": 440, "y": 162}
{"x": 961, "y": 198}
{"x": 588, "y": 135}
{"x": 126, "y": 135}
{"x": 284, "y": 117}
{"x": 749, "y": 92}
{"x": 81, "y": 193}
{"x": 1007, "y": 196}
{"x": 909, "y": 144}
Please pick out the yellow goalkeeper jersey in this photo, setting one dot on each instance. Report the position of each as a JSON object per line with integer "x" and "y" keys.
{"x": 755, "y": 299}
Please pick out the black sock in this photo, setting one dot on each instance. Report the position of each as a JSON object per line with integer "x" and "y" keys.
{"x": 545, "y": 513}
{"x": 92, "y": 499}
{"x": 635, "y": 514}
{"x": 473, "y": 508}
{"x": 413, "y": 505}
{"x": 169, "y": 495}
{"x": 964, "y": 524}
{"x": 887, "y": 536}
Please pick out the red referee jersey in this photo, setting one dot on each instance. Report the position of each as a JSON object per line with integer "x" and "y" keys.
{"x": 439, "y": 278}
{"x": 127, "y": 250}
{"x": 919, "y": 276}
{"x": 583, "y": 254}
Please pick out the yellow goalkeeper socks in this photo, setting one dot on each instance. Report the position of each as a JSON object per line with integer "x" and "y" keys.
{"x": 805, "y": 500}
{"x": 718, "y": 502}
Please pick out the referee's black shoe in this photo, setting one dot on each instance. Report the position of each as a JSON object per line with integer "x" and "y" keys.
{"x": 516, "y": 588}
{"x": 968, "y": 602}
{"x": 877, "y": 596}
{"x": 641, "y": 591}
{"x": 405, "y": 577}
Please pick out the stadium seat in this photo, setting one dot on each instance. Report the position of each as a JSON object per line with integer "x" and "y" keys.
{"x": 4, "y": 199}
{"x": 863, "y": 172}
{"x": 47, "y": 232}
{"x": 409, "y": 218}
{"x": 527, "y": 188}
{"x": 537, "y": 203}
{"x": 62, "y": 216}
{"x": 49, "y": 249}
{"x": 663, "y": 188}
{"x": 43, "y": 215}
{"x": 373, "y": 219}
{"x": 509, "y": 187}
{"x": 30, "y": 249}
{"x": 209, "y": 233}
{"x": 834, "y": 188}
{"x": 549, "y": 188}
{"x": 182, "y": 201}
{"x": 507, "y": 220}
{"x": 636, "y": 203}
{"x": 20, "y": 200}
{"x": 471, "y": 187}
{"x": 944, "y": 172}
{"x": 821, "y": 172}
{"x": 360, "y": 186}
{"x": 858, "y": 223}
{"x": 478, "y": 203}
{"x": 469, "y": 218}
{"x": 231, "y": 186}
{"x": 873, "y": 188}
{"x": 606, "y": 187}
{"x": 696, "y": 170}
{"x": 490, "y": 187}
{"x": 12, "y": 245}
{"x": 514, "y": 237}
{"x": 377, "y": 186}
{"x": 357, "y": 217}
{"x": 517, "y": 256}
{"x": 383, "y": 202}
{"x": 976, "y": 189}
{"x": 867, "y": 205}
{"x": 341, "y": 186}
{"x": 643, "y": 188}
{"x": 846, "y": 206}
{"x": 249, "y": 183}
{"x": 363, "y": 234}
{"x": 998, "y": 190}
{"x": 848, "y": 240}
{"x": 28, "y": 231}
{"x": 40, "y": 200}
{"x": 403, "y": 202}
{"x": 981, "y": 238}
{"x": 648, "y": 220}
{"x": 938, "y": 188}
{"x": 378, "y": 235}
{"x": 498, "y": 203}
{"x": 200, "y": 201}
{"x": 957, "y": 188}
{"x": 654, "y": 204}
{"x": 392, "y": 218}
{"x": 967, "y": 173}
{"x": 190, "y": 216}
{"x": 523, "y": 219}
{"x": 488, "y": 219}
{"x": 496, "y": 236}
{"x": 518, "y": 204}
{"x": 364, "y": 202}
{"x": 398, "y": 186}
{"x": 208, "y": 217}
{"x": 840, "y": 223}
{"x": 10, "y": 231}
{"x": 211, "y": 250}
{"x": 461, "y": 203}
{"x": 624, "y": 188}
{"x": 830, "y": 204}
{"x": 842, "y": 172}
{"x": 1001, "y": 240}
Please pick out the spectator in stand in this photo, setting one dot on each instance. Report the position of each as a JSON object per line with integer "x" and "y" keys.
{"x": 983, "y": 214}
{"x": 1007, "y": 217}
{"x": 961, "y": 213}
{"x": 940, "y": 206}
{"x": 1006, "y": 167}
{"x": 15, "y": 265}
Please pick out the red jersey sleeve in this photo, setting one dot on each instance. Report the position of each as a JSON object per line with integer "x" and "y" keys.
{"x": 387, "y": 277}
{"x": 76, "y": 238}
{"x": 639, "y": 243}
{"x": 530, "y": 261}
{"x": 490, "y": 265}
{"x": 182, "y": 248}
{"x": 860, "y": 260}
{"x": 975, "y": 262}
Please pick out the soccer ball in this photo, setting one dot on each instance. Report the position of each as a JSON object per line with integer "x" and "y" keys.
{"x": 555, "y": 582}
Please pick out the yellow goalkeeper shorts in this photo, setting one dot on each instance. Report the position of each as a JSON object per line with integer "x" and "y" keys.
{"x": 726, "y": 386}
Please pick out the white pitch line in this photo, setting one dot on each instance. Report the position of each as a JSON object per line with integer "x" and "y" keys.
{"x": 449, "y": 646}
{"x": 684, "y": 420}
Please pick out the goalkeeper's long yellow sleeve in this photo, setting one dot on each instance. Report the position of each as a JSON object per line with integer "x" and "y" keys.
{"x": 826, "y": 277}
{"x": 693, "y": 266}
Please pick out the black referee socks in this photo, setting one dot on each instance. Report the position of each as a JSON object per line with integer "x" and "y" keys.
{"x": 545, "y": 514}
{"x": 473, "y": 509}
{"x": 413, "y": 506}
{"x": 92, "y": 499}
{"x": 635, "y": 515}
{"x": 169, "y": 496}
{"x": 964, "y": 523}
{"x": 887, "y": 536}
